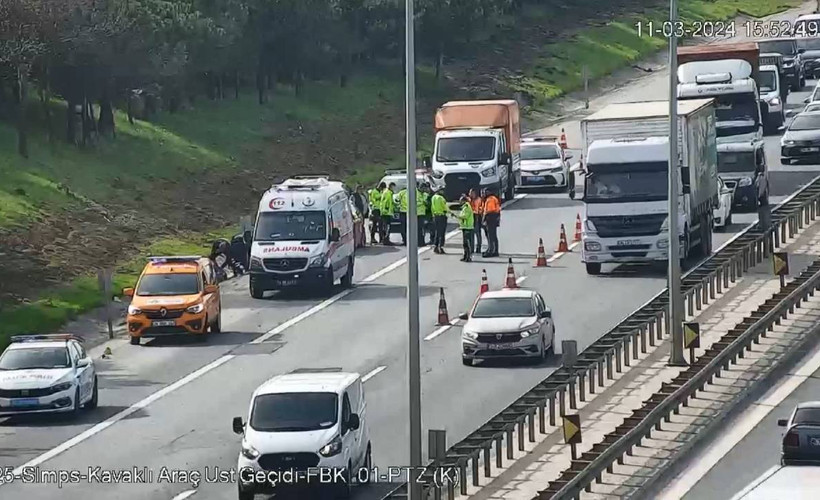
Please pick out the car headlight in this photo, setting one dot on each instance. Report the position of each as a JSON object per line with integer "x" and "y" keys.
{"x": 590, "y": 226}
{"x": 488, "y": 172}
{"x": 334, "y": 447}
{"x": 196, "y": 309}
{"x": 533, "y": 330}
{"x": 256, "y": 264}
{"x": 746, "y": 181}
{"x": 438, "y": 174}
{"x": 64, "y": 386}
{"x": 133, "y": 310}
{"x": 318, "y": 261}
{"x": 592, "y": 246}
{"x": 788, "y": 63}
{"x": 249, "y": 451}
{"x": 787, "y": 143}
{"x": 556, "y": 170}
{"x": 470, "y": 335}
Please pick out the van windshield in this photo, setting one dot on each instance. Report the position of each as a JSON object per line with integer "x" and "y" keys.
{"x": 736, "y": 161}
{"x": 291, "y": 226}
{"x": 768, "y": 81}
{"x": 294, "y": 411}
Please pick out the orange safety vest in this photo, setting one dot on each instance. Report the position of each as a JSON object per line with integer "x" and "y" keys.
{"x": 478, "y": 205}
{"x": 492, "y": 205}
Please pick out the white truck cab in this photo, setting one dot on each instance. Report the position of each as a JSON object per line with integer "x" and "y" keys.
{"x": 301, "y": 425}
{"x": 303, "y": 236}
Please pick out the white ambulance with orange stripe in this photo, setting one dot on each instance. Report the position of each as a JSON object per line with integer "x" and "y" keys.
{"x": 303, "y": 236}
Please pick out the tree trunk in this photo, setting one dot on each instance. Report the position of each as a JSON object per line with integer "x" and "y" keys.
{"x": 209, "y": 84}
{"x": 236, "y": 84}
{"x": 297, "y": 83}
{"x": 45, "y": 100}
{"x": 71, "y": 121}
{"x": 220, "y": 85}
{"x": 22, "y": 124}
{"x": 106, "y": 123}
{"x": 439, "y": 62}
{"x": 260, "y": 85}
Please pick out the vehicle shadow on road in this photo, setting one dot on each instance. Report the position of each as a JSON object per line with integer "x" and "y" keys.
{"x": 211, "y": 339}
{"x": 552, "y": 361}
{"x": 378, "y": 249}
{"x": 84, "y": 417}
{"x": 532, "y": 203}
{"x": 375, "y": 291}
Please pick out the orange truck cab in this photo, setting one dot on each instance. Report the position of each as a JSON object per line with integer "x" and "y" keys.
{"x": 174, "y": 295}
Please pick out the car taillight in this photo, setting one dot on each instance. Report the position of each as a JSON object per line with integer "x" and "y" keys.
{"x": 791, "y": 439}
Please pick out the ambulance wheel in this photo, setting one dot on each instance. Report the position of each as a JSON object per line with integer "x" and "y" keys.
{"x": 256, "y": 291}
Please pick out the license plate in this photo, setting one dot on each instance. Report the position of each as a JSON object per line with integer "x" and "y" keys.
{"x": 811, "y": 150}
{"x": 623, "y": 243}
{"x": 814, "y": 441}
{"x": 286, "y": 282}
{"x": 25, "y": 402}
{"x": 536, "y": 178}
{"x": 164, "y": 323}
{"x": 499, "y": 347}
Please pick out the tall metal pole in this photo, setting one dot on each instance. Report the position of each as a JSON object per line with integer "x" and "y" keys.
{"x": 675, "y": 316}
{"x": 414, "y": 361}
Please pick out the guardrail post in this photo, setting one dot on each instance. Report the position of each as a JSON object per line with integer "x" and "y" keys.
{"x": 552, "y": 409}
{"x": 562, "y": 402}
{"x": 690, "y": 304}
{"x": 712, "y": 281}
{"x": 783, "y": 229}
{"x": 487, "y": 470}
{"x": 474, "y": 463}
{"x": 642, "y": 331}
{"x": 608, "y": 356}
{"x": 531, "y": 425}
{"x": 618, "y": 357}
{"x": 696, "y": 292}
{"x": 572, "y": 404}
{"x": 451, "y": 490}
{"x": 498, "y": 457}
{"x": 542, "y": 419}
{"x": 582, "y": 386}
{"x": 634, "y": 338}
{"x": 508, "y": 438}
{"x": 719, "y": 279}
{"x": 592, "y": 369}
{"x": 626, "y": 350}
{"x": 521, "y": 422}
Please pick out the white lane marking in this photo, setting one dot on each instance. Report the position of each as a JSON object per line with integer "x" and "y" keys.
{"x": 739, "y": 428}
{"x": 441, "y": 329}
{"x": 207, "y": 368}
{"x": 372, "y": 373}
{"x": 121, "y": 415}
{"x": 184, "y": 495}
{"x": 555, "y": 256}
{"x": 520, "y": 280}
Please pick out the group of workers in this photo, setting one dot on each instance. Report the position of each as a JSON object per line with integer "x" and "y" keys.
{"x": 477, "y": 213}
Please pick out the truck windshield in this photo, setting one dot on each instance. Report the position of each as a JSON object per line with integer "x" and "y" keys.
{"x": 544, "y": 152}
{"x": 736, "y": 161}
{"x": 809, "y": 43}
{"x": 768, "y": 81}
{"x": 785, "y": 47}
{"x": 736, "y": 111}
{"x": 454, "y": 149}
{"x": 291, "y": 226}
{"x": 626, "y": 182}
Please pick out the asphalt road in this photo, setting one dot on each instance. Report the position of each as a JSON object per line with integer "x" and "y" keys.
{"x": 194, "y": 390}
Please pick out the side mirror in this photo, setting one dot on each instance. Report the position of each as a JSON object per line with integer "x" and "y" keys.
{"x": 354, "y": 422}
{"x": 801, "y": 51}
{"x": 128, "y": 292}
{"x": 463, "y": 316}
{"x": 504, "y": 158}
{"x": 806, "y": 100}
{"x": 782, "y": 422}
{"x": 545, "y": 314}
{"x": 83, "y": 363}
{"x": 238, "y": 426}
{"x": 209, "y": 289}
{"x": 335, "y": 234}
{"x": 427, "y": 162}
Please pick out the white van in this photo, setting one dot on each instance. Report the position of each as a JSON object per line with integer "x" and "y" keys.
{"x": 301, "y": 425}
{"x": 303, "y": 236}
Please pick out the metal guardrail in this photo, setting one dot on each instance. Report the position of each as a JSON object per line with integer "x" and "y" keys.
{"x": 588, "y": 469}
{"x": 619, "y": 346}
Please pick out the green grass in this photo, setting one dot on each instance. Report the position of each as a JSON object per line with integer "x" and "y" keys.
{"x": 604, "y": 49}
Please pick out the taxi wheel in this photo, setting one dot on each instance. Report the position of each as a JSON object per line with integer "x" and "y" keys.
{"x": 75, "y": 408}
{"x": 135, "y": 340}
{"x": 92, "y": 403}
{"x": 216, "y": 326}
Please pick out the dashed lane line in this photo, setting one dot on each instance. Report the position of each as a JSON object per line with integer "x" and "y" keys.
{"x": 372, "y": 373}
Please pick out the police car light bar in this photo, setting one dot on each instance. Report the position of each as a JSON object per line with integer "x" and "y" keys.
{"x": 45, "y": 338}
{"x": 174, "y": 258}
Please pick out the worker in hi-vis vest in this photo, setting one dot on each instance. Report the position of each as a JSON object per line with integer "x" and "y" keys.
{"x": 374, "y": 196}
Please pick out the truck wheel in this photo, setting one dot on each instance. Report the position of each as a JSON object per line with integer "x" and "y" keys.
{"x": 593, "y": 268}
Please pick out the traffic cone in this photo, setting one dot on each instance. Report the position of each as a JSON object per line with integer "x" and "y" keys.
{"x": 577, "y": 229}
{"x": 510, "y": 276}
{"x": 563, "y": 141}
{"x": 443, "y": 318}
{"x": 485, "y": 286}
{"x": 562, "y": 242}
{"x": 541, "y": 256}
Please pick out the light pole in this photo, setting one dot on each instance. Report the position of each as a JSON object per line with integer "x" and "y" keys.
{"x": 414, "y": 361}
{"x": 675, "y": 316}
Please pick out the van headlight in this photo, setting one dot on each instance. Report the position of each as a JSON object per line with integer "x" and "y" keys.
{"x": 746, "y": 181}
{"x": 249, "y": 451}
{"x": 592, "y": 246}
{"x": 438, "y": 174}
{"x": 488, "y": 172}
{"x": 333, "y": 448}
{"x": 195, "y": 309}
{"x": 134, "y": 310}
{"x": 318, "y": 261}
{"x": 256, "y": 264}
{"x": 470, "y": 335}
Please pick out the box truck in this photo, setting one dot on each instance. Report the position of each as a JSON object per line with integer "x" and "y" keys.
{"x": 477, "y": 145}
{"x": 626, "y": 172}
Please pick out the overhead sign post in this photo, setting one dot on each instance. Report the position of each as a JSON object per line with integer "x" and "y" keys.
{"x": 691, "y": 338}
{"x": 572, "y": 432}
{"x": 780, "y": 261}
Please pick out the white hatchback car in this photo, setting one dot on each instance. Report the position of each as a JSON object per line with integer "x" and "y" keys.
{"x": 303, "y": 424}
{"x": 722, "y": 215}
{"x": 45, "y": 374}
{"x": 507, "y": 323}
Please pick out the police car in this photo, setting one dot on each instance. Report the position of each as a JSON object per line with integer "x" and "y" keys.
{"x": 45, "y": 374}
{"x": 544, "y": 163}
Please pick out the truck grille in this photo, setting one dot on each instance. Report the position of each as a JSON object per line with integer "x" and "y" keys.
{"x": 630, "y": 225}
{"x": 492, "y": 338}
{"x": 285, "y": 264}
{"x": 457, "y": 184}
{"x": 288, "y": 461}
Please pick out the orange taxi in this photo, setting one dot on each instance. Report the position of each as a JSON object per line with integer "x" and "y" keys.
{"x": 174, "y": 295}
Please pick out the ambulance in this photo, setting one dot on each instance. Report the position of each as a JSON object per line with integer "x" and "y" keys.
{"x": 303, "y": 237}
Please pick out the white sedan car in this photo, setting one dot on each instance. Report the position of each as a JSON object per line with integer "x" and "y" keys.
{"x": 508, "y": 323}
{"x": 722, "y": 215}
{"x": 544, "y": 164}
{"x": 45, "y": 374}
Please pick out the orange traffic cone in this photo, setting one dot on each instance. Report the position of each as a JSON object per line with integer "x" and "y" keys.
{"x": 443, "y": 317}
{"x": 562, "y": 242}
{"x": 541, "y": 257}
{"x": 510, "y": 276}
{"x": 485, "y": 285}
{"x": 563, "y": 141}
{"x": 577, "y": 229}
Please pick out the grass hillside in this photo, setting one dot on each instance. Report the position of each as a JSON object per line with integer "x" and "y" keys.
{"x": 172, "y": 184}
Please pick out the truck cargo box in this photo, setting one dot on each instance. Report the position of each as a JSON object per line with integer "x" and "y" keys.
{"x": 748, "y": 51}
{"x": 492, "y": 114}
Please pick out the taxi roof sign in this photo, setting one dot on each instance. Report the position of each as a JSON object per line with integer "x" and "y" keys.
{"x": 57, "y": 337}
